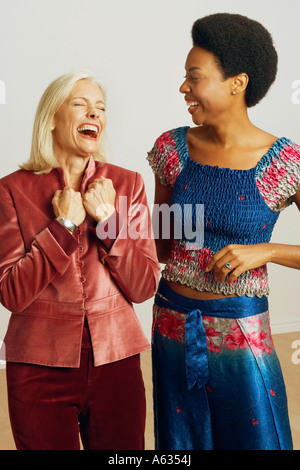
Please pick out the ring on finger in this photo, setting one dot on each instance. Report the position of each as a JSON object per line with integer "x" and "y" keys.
{"x": 228, "y": 265}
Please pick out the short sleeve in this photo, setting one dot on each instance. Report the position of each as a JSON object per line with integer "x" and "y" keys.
{"x": 168, "y": 155}
{"x": 278, "y": 174}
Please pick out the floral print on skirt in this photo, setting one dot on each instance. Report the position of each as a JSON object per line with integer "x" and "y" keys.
{"x": 241, "y": 404}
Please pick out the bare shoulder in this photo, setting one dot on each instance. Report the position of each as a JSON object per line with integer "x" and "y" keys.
{"x": 264, "y": 138}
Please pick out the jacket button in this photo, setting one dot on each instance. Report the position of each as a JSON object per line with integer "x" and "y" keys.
{"x": 82, "y": 279}
{"x": 84, "y": 295}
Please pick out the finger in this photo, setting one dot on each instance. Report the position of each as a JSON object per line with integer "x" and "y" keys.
{"x": 97, "y": 181}
{"x": 234, "y": 275}
{"x": 101, "y": 182}
{"x": 92, "y": 195}
{"x": 102, "y": 179}
{"x": 216, "y": 258}
{"x": 220, "y": 262}
{"x": 55, "y": 202}
{"x": 104, "y": 211}
{"x": 56, "y": 196}
{"x": 224, "y": 267}
{"x": 67, "y": 190}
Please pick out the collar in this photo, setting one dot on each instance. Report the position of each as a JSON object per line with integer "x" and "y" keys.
{"x": 88, "y": 173}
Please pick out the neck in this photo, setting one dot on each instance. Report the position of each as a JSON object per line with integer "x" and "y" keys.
{"x": 73, "y": 168}
{"x": 230, "y": 132}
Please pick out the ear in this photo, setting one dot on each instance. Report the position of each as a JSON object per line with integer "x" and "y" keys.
{"x": 239, "y": 83}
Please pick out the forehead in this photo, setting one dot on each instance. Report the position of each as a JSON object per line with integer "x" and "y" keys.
{"x": 200, "y": 58}
{"x": 86, "y": 89}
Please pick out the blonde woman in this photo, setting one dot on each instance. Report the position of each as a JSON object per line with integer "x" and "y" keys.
{"x": 73, "y": 340}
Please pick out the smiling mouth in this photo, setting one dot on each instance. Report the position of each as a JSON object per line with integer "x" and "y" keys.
{"x": 88, "y": 130}
{"x": 192, "y": 104}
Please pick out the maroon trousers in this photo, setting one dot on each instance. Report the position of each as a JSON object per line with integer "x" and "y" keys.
{"x": 49, "y": 407}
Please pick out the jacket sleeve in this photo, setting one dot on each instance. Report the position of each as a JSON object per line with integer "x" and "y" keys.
{"x": 24, "y": 274}
{"x": 131, "y": 258}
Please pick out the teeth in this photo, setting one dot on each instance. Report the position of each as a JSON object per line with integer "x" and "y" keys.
{"x": 88, "y": 128}
{"x": 192, "y": 103}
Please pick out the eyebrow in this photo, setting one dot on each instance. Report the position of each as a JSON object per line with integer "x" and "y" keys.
{"x": 86, "y": 99}
{"x": 191, "y": 69}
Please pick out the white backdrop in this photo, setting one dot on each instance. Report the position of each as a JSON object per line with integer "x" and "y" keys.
{"x": 138, "y": 48}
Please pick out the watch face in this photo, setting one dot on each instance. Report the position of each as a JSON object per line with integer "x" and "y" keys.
{"x": 67, "y": 224}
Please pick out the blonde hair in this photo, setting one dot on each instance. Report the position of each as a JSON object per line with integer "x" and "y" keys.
{"x": 42, "y": 158}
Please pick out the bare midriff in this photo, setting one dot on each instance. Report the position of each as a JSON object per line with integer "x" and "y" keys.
{"x": 187, "y": 291}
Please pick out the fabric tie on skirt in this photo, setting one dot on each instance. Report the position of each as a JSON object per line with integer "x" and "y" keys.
{"x": 196, "y": 359}
{"x": 195, "y": 350}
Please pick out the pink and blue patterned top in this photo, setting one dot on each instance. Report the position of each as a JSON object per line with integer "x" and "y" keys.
{"x": 240, "y": 207}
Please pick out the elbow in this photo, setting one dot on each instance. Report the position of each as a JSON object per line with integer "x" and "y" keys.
{"x": 13, "y": 303}
{"x": 147, "y": 287}
{"x": 13, "y": 306}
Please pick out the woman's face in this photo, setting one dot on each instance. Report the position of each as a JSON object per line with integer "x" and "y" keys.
{"x": 208, "y": 95}
{"x": 80, "y": 121}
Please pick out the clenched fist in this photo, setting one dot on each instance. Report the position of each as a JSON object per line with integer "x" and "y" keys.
{"x": 68, "y": 204}
{"x": 99, "y": 199}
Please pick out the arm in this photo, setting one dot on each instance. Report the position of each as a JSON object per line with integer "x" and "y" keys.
{"x": 24, "y": 274}
{"x": 163, "y": 245}
{"x": 286, "y": 255}
{"x": 245, "y": 257}
{"x": 131, "y": 259}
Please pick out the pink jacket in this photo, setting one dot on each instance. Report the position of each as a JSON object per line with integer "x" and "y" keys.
{"x": 51, "y": 280}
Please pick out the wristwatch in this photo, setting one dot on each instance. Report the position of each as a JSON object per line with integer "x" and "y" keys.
{"x": 67, "y": 224}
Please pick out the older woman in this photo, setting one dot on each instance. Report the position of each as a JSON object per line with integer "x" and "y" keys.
{"x": 73, "y": 340}
{"x": 217, "y": 379}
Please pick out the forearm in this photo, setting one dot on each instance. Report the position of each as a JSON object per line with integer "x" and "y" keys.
{"x": 163, "y": 248}
{"x": 130, "y": 253}
{"x": 285, "y": 255}
{"x": 134, "y": 267}
{"x": 23, "y": 279}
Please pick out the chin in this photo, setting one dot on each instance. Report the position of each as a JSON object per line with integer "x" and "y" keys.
{"x": 87, "y": 151}
{"x": 198, "y": 122}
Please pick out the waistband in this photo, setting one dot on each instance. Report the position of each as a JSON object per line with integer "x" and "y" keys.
{"x": 228, "y": 307}
{"x": 196, "y": 362}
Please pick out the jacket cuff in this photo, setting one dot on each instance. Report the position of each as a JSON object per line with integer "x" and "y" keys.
{"x": 63, "y": 237}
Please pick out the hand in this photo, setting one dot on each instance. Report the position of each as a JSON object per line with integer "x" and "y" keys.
{"x": 241, "y": 258}
{"x": 68, "y": 204}
{"x": 99, "y": 199}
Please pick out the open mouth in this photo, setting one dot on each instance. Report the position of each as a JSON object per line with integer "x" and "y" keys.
{"x": 192, "y": 104}
{"x": 89, "y": 131}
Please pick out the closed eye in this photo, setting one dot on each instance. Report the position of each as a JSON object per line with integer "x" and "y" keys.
{"x": 192, "y": 78}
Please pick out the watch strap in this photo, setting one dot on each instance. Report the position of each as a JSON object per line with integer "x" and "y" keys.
{"x": 67, "y": 224}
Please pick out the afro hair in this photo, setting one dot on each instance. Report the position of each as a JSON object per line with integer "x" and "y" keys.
{"x": 241, "y": 45}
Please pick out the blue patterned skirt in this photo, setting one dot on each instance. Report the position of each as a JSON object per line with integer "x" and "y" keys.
{"x": 217, "y": 381}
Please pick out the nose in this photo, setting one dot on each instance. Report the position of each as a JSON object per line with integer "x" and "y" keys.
{"x": 184, "y": 88}
{"x": 93, "y": 112}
